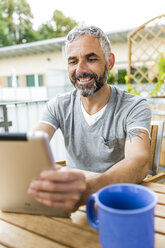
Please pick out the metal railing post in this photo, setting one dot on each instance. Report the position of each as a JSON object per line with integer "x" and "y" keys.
{"x": 5, "y": 123}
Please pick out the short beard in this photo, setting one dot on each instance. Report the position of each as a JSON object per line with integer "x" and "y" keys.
{"x": 89, "y": 90}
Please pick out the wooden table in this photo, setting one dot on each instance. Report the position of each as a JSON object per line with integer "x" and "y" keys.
{"x": 28, "y": 231}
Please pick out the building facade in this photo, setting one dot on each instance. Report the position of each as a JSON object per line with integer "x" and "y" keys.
{"x": 43, "y": 63}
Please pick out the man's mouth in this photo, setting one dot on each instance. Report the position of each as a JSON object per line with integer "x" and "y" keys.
{"x": 84, "y": 80}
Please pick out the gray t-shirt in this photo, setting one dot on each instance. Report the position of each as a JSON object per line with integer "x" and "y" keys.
{"x": 101, "y": 145}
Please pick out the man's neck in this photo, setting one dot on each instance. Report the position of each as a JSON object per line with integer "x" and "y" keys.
{"x": 96, "y": 102}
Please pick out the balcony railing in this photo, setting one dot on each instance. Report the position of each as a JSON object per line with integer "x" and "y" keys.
{"x": 23, "y": 116}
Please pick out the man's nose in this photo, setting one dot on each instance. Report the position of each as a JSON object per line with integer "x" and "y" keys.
{"x": 81, "y": 68}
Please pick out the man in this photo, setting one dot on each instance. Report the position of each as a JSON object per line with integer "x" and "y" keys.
{"x": 105, "y": 129}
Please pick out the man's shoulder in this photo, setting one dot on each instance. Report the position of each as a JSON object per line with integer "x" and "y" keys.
{"x": 67, "y": 95}
{"x": 64, "y": 98}
{"x": 126, "y": 97}
{"x": 127, "y": 103}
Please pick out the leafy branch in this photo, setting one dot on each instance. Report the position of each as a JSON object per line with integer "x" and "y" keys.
{"x": 132, "y": 89}
{"x": 161, "y": 74}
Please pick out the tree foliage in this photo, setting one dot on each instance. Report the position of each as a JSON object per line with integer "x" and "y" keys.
{"x": 46, "y": 31}
{"x": 18, "y": 18}
{"x": 5, "y": 37}
{"x": 16, "y": 24}
{"x": 58, "y": 26}
{"x": 62, "y": 24}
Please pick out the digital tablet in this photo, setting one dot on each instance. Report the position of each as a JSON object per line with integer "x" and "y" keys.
{"x": 22, "y": 158}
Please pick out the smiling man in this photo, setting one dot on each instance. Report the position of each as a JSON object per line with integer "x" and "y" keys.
{"x": 87, "y": 70}
{"x": 105, "y": 129}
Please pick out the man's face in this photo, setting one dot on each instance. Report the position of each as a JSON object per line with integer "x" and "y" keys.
{"x": 86, "y": 65}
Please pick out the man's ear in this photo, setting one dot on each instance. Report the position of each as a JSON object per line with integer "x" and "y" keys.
{"x": 111, "y": 61}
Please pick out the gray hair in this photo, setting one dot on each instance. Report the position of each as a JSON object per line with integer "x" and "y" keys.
{"x": 91, "y": 31}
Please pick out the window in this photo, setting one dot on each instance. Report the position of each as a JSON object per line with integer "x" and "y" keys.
{"x": 30, "y": 82}
{"x": 40, "y": 80}
{"x": 17, "y": 80}
{"x": 9, "y": 81}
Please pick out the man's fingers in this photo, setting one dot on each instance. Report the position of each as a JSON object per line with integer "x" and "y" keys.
{"x": 67, "y": 202}
{"x": 49, "y": 186}
{"x": 69, "y": 206}
{"x": 63, "y": 174}
{"x": 59, "y": 188}
{"x": 54, "y": 196}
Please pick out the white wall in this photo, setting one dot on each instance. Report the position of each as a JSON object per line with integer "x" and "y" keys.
{"x": 120, "y": 50}
{"x": 33, "y": 63}
{"x": 41, "y": 63}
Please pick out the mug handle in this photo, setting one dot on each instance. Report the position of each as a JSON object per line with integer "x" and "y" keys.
{"x": 92, "y": 215}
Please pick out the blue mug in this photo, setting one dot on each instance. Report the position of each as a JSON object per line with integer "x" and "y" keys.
{"x": 124, "y": 216}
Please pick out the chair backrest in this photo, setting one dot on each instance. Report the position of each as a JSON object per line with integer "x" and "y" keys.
{"x": 156, "y": 132}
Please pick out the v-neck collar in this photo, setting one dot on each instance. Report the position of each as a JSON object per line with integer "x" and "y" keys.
{"x": 107, "y": 110}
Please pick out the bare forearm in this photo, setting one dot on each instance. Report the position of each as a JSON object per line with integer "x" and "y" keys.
{"x": 125, "y": 171}
{"x": 45, "y": 128}
{"x": 132, "y": 169}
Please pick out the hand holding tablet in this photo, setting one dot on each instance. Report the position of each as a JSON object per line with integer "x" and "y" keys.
{"x": 23, "y": 156}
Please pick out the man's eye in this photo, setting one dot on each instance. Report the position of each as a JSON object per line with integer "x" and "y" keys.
{"x": 92, "y": 60}
{"x": 72, "y": 62}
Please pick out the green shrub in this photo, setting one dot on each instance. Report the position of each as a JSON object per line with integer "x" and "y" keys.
{"x": 121, "y": 76}
{"x": 111, "y": 78}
